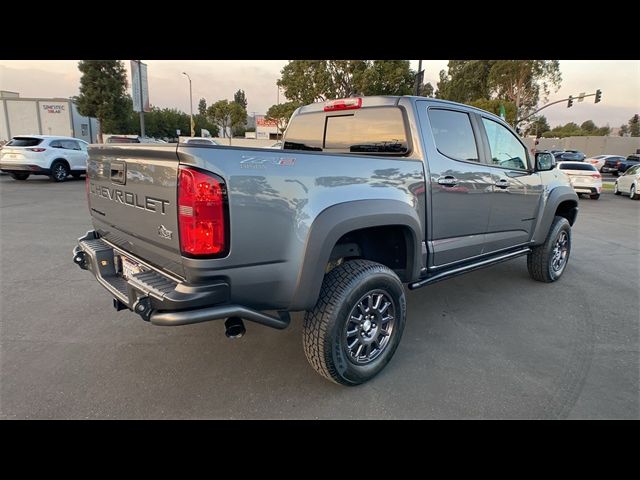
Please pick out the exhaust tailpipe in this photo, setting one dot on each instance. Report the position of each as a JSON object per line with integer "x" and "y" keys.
{"x": 234, "y": 327}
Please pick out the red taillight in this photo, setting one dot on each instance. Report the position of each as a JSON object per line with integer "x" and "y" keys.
{"x": 343, "y": 104}
{"x": 595, "y": 175}
{"x": 36, "y": 149}
{"x": 201, "y": 214}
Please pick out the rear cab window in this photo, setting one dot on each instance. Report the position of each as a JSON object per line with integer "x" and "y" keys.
{"x": 577, "y": 166}
{"x": 24, "y": 142}
{"x": 372, "y": 130}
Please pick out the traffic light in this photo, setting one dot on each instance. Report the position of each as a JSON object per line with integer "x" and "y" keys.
{"x": 598, "y": 95}
{"x": 570, "y": 102}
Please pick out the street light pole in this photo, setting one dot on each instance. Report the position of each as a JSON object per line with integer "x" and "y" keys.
{"x": 190, "y": 105}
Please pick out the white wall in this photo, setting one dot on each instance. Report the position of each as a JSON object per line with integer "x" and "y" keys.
{"x": 23, "y": 117}
{"x": 4, "y": 134}
{"x": 590, "y": 145}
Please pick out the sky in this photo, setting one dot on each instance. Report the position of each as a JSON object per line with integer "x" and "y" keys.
{"x": 619, "y": 81}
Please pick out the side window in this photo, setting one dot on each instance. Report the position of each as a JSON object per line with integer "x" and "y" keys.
{"x": 83, "y": 146}
{"x": 70, "y": 145}
{"x": 506, "y": 150}
{"x": 56, "y": 144}
{"x": 453, "y": 134}
{"x": 633, "y": 170}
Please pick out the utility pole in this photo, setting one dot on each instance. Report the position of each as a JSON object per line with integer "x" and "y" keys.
{"x": 419, "y": 78}
{"x": 190, "y": 105}
{"x": 142, "y": 133}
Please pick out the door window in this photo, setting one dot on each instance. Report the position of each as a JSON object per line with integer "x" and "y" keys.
{"x": 506, "y": 149}
{"x": 453, "y": 134}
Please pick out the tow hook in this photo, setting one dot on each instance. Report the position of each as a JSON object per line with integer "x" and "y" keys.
{"x": 234, "y": 327}
{"x": 143, "y": 308}
{"x": 80, "y": 259}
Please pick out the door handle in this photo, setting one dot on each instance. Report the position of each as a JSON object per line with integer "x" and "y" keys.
{"x": 448, "y": 181}
{"x": 502, "y": 183}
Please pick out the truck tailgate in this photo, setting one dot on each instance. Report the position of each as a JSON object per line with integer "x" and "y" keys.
{"x": 131, "y": 191}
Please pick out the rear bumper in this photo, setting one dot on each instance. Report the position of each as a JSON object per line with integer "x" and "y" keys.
{"x": 157, "y": 297}
{"x": 607, "y": 169}
{"x": 24, "y": 168}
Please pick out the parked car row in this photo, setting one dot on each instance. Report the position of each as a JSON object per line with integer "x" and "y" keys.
{"x": 618, "y": 165}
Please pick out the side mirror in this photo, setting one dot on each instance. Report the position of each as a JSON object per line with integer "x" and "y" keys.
{"x": 545, "y": 161}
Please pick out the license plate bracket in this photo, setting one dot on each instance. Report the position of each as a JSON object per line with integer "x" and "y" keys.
{"x": 129, "y": 267}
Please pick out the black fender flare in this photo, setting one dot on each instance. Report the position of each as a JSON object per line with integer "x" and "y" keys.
{"x": 338, "y": 220}
{"x": 558, "y": 195}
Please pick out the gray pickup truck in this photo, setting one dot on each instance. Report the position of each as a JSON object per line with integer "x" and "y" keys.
{"x": 367, "y": 193}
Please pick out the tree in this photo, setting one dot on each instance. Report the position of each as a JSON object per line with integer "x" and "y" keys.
{"x": 426, "y": 90}
{"x": 465, "y": 80}
{"x": 387, "y": 77}
{"x": 280, "y": 114}
{"x": 202, "y": 107}
{"x": 493, "y": 106}
{"x": 524, "y": 82}
{"x": 588, "y": 126}
{"x": 634, "y": 126}
{"x": 538, "y": 126}
{"x": 572, "y": 129}
{"x": 624, "y": 130}
{"x": 103, "y": 87}
{"x": 308, "y": 81}
{"x": 240, "y": 98}
{"x": 227, "y": 115}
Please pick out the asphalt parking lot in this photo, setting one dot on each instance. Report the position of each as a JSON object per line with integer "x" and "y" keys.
{"x": 490, "y": 344}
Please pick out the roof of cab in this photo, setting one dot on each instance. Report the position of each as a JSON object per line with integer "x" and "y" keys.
{"x": 393, "y": 100}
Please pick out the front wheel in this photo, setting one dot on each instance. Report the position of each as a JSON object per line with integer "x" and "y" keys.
{"x": 595, "y": 196}
{"x": 547, "y": 262}
{"x": 615, "y": 189}
{"x": 632, "y": 193}
{"x": 19, "y": 176}
{"x": 356, "y": 325}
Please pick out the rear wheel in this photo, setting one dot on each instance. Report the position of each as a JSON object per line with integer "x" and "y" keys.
{"x": 547, "y": 262}
{"x": 19, "y": 176}
{"x": 632, "y": 193}
{"x": 595, "y": 196}
{"x": 59, "y": 171}
{"x": 615, "y": 189}
{"x": 356, "y": 326}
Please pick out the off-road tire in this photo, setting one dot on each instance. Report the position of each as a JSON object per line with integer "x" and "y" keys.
{"x": 539, "y": 261}
{"x": 324, "y": 328}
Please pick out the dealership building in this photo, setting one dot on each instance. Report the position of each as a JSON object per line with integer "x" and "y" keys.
{"x": 43, "y": 116}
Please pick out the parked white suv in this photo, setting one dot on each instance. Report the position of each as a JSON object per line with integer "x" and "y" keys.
{"x": 57, "y": 157}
